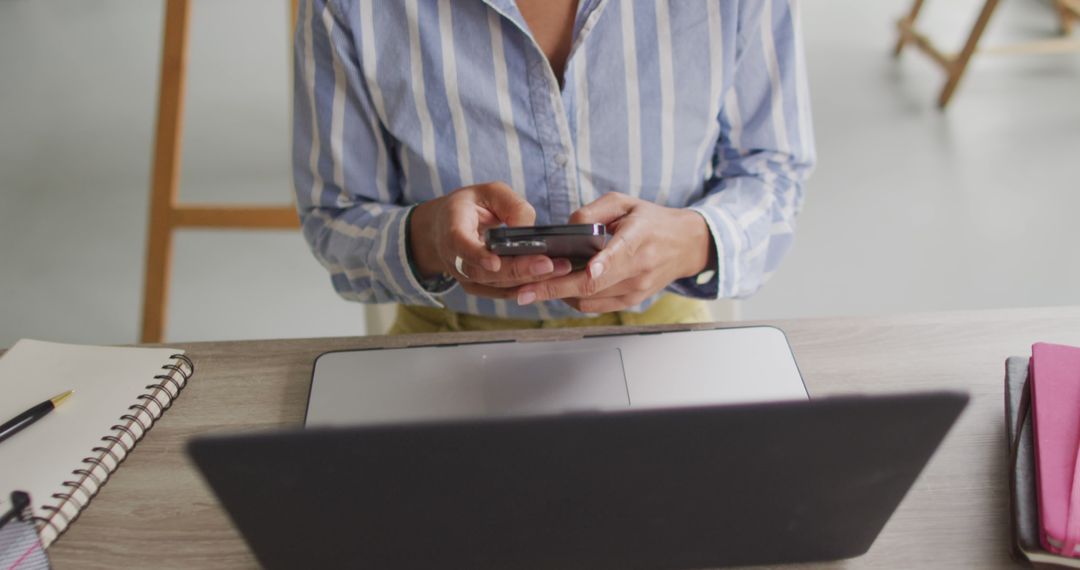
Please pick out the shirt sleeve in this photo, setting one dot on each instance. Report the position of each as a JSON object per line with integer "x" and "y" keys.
{"x": 763, "y": 156}
{"x": 345, "y": 174}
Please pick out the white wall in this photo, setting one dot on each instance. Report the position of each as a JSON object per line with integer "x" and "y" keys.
{"x": 78, "y": 85}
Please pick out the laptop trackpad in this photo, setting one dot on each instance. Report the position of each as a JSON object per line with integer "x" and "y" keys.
{"x": 557, "y": 381}
{"x": 439, "y": 383}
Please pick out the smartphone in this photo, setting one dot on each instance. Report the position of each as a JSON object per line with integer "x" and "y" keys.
{"x": 576, "y": 242}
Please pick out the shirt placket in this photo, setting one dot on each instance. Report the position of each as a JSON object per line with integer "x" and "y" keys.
{"x": 553, "y": 132}
{"x": 550, "y": 113}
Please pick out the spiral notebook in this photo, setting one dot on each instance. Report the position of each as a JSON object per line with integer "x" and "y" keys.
{"x": 63, "y": 459}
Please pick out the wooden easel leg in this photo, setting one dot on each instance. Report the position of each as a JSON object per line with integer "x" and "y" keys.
{"x": 909, "y": 22}
{"x": 956, "y": 71}
{"x": 166, "y": 170}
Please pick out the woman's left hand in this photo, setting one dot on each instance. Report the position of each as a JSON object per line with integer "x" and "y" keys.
{"x": 650, "y": 247}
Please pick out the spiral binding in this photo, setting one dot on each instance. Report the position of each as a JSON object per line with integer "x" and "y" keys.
{"x": 117, "y": 446}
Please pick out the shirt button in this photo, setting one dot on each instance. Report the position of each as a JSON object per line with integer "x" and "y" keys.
{"x": 560, "y": 159}
{"x": 704, "y": 277}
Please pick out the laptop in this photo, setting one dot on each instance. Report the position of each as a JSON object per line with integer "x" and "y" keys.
{"x": 700, "y": 450}
{"x": 598, "y": 372}
{"x": 737, "y": 484}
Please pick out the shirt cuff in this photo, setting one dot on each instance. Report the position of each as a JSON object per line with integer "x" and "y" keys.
{"x": 704, "y": 285}
{"x": 414, "y": 289}
{"x": 436, "y": 285}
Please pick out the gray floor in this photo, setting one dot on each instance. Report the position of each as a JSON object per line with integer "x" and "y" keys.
{"x": 910, "y": 209}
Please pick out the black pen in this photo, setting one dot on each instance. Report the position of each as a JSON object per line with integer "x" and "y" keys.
{"x": 16, "y": 424}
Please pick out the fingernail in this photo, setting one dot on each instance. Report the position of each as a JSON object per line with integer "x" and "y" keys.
{"x": 596, "y": 270}
{"x": 526, "y": 297}
{"x": 542, "y": 267}
{"x": 563, "y": 266}
{"x": 490, "y": 263}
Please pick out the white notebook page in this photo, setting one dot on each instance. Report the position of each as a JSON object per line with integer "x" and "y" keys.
{"x": 105, "y": 380}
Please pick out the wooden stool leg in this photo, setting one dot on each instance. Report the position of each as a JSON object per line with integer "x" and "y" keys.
{"x": 1068, "y": 12}
{"x": 166, "y": 170}
{"x": 959, "y": 65}
{"x": 910, "y": 22}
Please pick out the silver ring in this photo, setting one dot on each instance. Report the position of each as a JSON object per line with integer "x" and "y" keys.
{"x": 458, "y": 263}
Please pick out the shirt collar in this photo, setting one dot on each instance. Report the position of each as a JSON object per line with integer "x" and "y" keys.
{"x": 509, "y": 9}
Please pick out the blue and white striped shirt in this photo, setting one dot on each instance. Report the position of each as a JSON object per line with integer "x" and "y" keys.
{"x": 686, "y": 103}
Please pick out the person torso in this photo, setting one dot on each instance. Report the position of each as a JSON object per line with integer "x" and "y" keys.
{"x": 466, "y": 95}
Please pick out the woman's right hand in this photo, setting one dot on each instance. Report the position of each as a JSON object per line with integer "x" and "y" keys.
{"x": 453, "y": 226}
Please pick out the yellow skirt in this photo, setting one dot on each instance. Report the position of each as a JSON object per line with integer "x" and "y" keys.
{"x": 669, "y": 309}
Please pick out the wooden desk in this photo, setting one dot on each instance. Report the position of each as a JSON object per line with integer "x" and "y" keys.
{"x": 156, "y": 512}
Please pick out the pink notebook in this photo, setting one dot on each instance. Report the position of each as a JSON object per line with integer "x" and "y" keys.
{"x": 1055, "y": 402}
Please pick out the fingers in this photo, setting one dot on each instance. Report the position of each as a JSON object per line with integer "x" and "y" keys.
{"x": 519, "y": 270}
{"x": 577, "y": 284}
{"x": 508, "y": 207}
{"x": 626, "y": 287}
{"x": 609, "y": 304}
{"x": 487, "y": 291}
{"x": 618, "y": 253}
{"x": 619, "y": 297}
{"x": 461, "y": 236}
{"x": 612, "y": 265}
{"x": 505, "y": 290}
{"x": 604, "y": 210}
{"x": 478, "y": 207}
{"x": 465, "y": 242}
